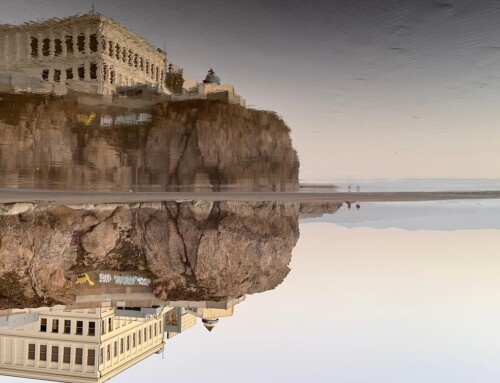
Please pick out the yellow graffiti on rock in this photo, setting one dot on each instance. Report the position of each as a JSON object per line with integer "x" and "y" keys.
{"x": 84, "y": 278}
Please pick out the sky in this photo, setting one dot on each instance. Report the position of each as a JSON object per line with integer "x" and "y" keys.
{"x": 370, "y": 88}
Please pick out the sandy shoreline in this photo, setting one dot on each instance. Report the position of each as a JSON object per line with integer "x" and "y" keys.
{"x": 63, "y": 197}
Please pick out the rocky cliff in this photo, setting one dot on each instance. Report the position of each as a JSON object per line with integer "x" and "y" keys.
{"x": 48, "y": 142}
{"x": 191, "y": 250}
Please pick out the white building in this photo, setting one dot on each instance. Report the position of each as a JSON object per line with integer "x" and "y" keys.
{"x": 88, "y": 53}
{"x": 87, "y": 345}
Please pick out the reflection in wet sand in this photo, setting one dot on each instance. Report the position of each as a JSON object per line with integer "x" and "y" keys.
{"x": 123, "y": 279}
{"x": 65, "y": 143}
{"x": 95, "y": 344}
{"x": 189, "y": 251}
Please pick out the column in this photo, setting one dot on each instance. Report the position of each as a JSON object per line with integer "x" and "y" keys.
{"x": 4, "y": 49}
{"x": 87, "y": 42}
{"x": 16, "y": 47}
{"x": 52, "y": 46}
{"x": 28, "y": 46}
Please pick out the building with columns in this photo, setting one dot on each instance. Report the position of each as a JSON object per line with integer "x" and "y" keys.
{"x": 88, "y": 53}
{"x": 77, "y": 346}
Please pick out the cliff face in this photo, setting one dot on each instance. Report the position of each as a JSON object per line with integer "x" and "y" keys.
{"x": 60, "y": 143}
{"x": 191, "y": 251}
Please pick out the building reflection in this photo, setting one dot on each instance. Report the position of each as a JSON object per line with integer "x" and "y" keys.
{"x": 66, "y": 344}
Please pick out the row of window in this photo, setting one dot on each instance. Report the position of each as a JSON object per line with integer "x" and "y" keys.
{"x": 66, "y": 326}
{"x": 127, "y": 56}
{"x": 69, "y": 73}
{"x": 126, "y": 342}
{"x": 57, "y": 48}
{"x": 133, "y": 59}
{"x": 66, "y": 356}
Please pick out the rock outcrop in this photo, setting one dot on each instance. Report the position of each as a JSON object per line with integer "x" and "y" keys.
{"x": 191, "y": 251}
{"x": 60, "y": 143}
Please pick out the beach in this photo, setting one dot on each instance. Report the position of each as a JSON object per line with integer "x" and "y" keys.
{"x": 64, "y": 197}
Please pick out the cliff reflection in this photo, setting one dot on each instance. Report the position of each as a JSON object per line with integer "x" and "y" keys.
{"x": 79, "y": 143}
{"x": 189, "y": 251}
{"x": 86, "y": 291}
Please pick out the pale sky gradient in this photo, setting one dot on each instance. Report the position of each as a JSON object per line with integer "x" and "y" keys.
{"x": 377, "y": 89}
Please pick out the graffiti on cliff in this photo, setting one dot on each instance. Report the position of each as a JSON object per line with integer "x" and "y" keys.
{"x": 84, "y": 278}
{"x": 126, "y": 280}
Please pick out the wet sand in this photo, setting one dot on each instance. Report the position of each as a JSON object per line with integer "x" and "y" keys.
{"x": 63, "y": 197}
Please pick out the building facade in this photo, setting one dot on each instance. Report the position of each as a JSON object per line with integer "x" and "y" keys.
{"x": 88, "y": 53}
{"x": 84, "y": 345}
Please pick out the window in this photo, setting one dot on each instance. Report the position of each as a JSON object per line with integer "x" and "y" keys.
{"x": 55, "y": 325}
{"x": 124, "y": 55}
{"x": 133, "y": 339}
{"x": 45, "y": 77}
{"x": 43, "y": 321}
{"x": 79, "y": 327}
{"x": 67, "y": 326}
{"x": 136, "y": 60}
{"x": 34, "y": 47}
{"x": 108, "y": 352}
{"x": 57, "y": 47}
{"x": 31, "y": 351}
{"x": 69, "y": 76}
{"x": 121, "y": 346}
{"x": 91, "y": 328}
{"x": 155, "y": 329}
{"x": 115, "y": 349}
{"x": 43, "y": 352}
{"x": 139, "y": 337}
{"x": 55, "y": 354}
{"x": 110, "y": 50}
{"x": 81, "y": 72}
{"x": 147, "y": 67}
{"x": 103, "y": 327}
{"x": 101, "y": 354}
{"x": 69, "y": 44}
{"x": 128, "y": 342}
{"x": 110, "y": 324}
{"x": 150, "y": 332}
{"x": 142, "y": 64}
{"x": 80, "y": 43}
{"x": 91, "y": 357}
{"x": 145, "y": 335}
{"x": 46, "y": 47}
{"x": 79, "y": 356}
{"x": 67, "y": 355}
{"x": 112, "y": 77}
{"x": 117, "y": 52}
{"x": 57, "y": 75}
{"x": 93, "y": 44}
{"x": 130, "y": 58}
{"x": 93, "y": 71}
